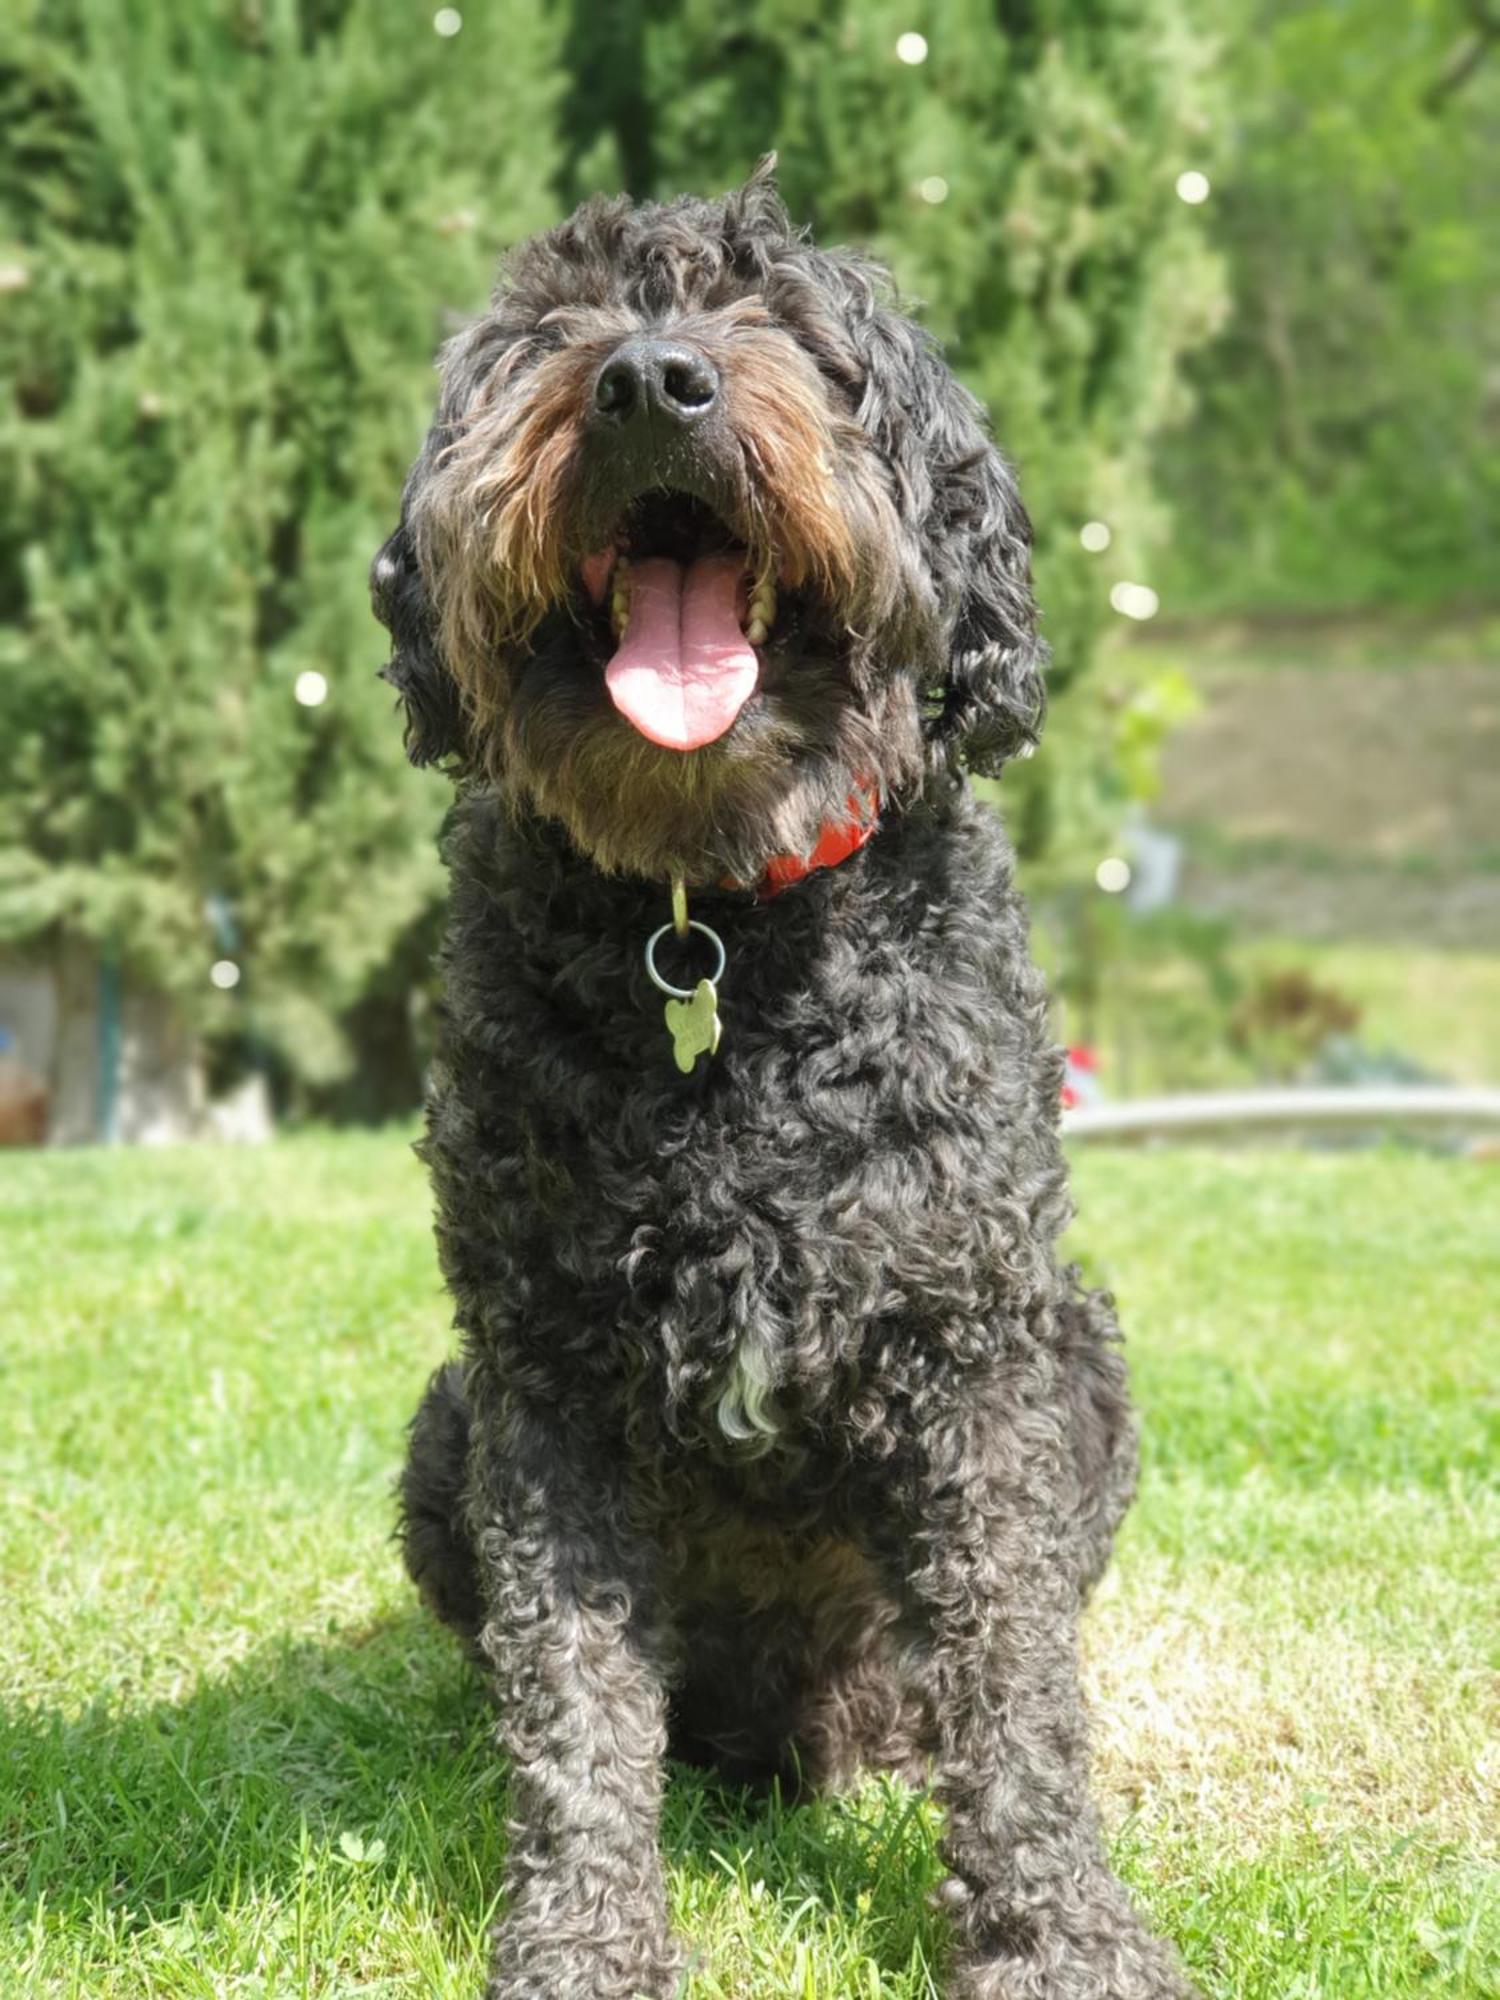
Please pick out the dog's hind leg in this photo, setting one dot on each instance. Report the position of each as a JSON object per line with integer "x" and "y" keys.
{"x": 860, "y": 1711}
{"x": 1101, "y": 1425}
{"x": 803, "y": 1688}
{"x": 433, "y": 1528}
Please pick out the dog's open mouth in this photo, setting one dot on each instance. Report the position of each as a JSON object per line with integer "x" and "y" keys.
{"x": 687, "y": 615}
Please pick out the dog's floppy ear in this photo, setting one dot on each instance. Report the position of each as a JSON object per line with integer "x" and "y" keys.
{"x": 435, "y": 731}
{"x": 958, "y": 497}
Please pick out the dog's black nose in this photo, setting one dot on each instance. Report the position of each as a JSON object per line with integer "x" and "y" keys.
{"x": 656, "y": 381}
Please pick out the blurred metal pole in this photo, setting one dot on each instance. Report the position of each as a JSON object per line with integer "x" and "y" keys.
{"x": 1427, "y": 1106}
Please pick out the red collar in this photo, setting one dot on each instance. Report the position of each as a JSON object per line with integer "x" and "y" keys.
{"x": 837, "y": 840}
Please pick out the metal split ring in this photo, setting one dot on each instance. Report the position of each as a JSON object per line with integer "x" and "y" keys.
{"x": 683, "y": 992}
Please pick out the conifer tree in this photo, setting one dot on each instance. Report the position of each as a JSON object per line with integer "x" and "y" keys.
{"x": 228, "y": 240}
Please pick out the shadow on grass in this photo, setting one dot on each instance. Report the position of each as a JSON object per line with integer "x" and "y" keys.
{"x": 362, "y": 1766}
{"x": 376, "y": 1746}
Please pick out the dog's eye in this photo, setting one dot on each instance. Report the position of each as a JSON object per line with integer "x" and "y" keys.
{"x": 844, "y": 372}
{"x": 833, "y": 354}
{"x": 838, "y": 360}
{"x": 546, "y": 337}
{"x": 817, "y": 326}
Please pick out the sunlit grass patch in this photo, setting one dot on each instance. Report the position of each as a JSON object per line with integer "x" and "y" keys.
{"x": 235, "y": 1760}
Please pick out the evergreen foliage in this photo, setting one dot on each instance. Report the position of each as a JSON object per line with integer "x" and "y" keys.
{"x": 232, "y": 235}
{"x": 229, "y": 233}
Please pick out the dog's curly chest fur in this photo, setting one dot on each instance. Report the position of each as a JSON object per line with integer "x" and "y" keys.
{"x": 835, "y": 1203}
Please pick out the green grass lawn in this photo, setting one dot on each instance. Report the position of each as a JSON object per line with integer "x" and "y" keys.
{"x": 237, "y": 1762}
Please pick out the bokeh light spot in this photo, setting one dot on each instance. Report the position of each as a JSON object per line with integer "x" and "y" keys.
{"x": 1135, "y": 600}
{"x": 911, "y": 48}
{"x": 1113, "y": 874}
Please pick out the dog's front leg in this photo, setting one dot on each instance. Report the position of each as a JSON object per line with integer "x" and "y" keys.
{"x": 990, "y": 1579}
{"x": 579, "y": 1646}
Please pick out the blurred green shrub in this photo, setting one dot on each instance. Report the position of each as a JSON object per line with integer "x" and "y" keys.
{"x": 229, "y": 234}
{"x": 1344, "y": 452}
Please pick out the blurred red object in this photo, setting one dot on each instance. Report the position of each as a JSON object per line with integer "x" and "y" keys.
{"x": 1081, "y": 1077}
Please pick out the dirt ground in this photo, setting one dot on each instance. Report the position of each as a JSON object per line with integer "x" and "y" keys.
{"x": 1335, "y": 798}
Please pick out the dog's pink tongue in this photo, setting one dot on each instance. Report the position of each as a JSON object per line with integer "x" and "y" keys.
{"x": 684, "y": 669}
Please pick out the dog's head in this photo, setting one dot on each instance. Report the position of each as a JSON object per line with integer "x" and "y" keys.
{"x": 704, "y": 538}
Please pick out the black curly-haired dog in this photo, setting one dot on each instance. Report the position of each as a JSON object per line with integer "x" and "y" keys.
{"x": 779, "y": 1438}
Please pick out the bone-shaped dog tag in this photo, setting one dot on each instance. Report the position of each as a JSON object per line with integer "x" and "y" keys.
{"x": 694, "y": 1025}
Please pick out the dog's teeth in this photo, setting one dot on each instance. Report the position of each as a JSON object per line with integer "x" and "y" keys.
{"x": 763, "y": 605}
{"x": 755, "y": 632}
{"x": 619, "y": 603}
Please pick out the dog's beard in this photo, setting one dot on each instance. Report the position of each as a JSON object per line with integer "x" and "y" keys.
{"x": 750, "y": 761}
{"x": 802, "y": 743}
{"x": 701, "y": 701}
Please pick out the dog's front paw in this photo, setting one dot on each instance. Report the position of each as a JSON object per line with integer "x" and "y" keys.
{"x": 1064, "y": 1976}
{"x": 584, "y": 1968}
{"x": 1089, "y": 1953}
